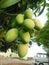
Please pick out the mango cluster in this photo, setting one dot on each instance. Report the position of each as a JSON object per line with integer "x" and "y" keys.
{"x": 23, "y": 29}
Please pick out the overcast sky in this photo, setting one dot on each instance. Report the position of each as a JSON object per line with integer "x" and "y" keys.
{"x": 47, "y": 1}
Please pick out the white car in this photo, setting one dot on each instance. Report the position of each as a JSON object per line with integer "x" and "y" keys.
{"x": 41, "y": 59}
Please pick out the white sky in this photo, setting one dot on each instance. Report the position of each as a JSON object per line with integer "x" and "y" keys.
{"x": 43, "y": 17}
{"x": 47, "y": 1}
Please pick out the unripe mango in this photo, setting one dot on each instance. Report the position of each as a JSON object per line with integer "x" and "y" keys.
{"x": 28, "y": 23}
{"x": 11, "y": 35}
{"x": 20, "y": 18}
{"x": 22, "y": 50}
{"x": 38, "y": 24}
{"x": 25, "y": 36}
{"x": 28, "y": 14}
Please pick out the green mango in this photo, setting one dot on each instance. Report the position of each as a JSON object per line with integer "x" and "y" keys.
{"x": 22, "y": 50}
{"x": 25, "y": 36}
{"x": 38, "y": 24}
{"x": 28, "y": 23}
{"x": 20, "y": 18}
{"x": 11, "y": 35}
{"x": 28, "y": 13}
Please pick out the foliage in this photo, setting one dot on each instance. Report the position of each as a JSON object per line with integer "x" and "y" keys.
{"x": 9, "y": 10}
{"x": 43, "y": 37}
{"x": 17, "y": 6}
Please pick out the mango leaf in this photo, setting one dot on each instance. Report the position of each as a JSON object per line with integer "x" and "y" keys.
{"x": 7, "y": 3}
{"x": 47, "y": 4}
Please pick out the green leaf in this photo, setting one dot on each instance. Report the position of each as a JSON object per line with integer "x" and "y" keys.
{"x": 47, "y": 4}
{"x": 42, "y": 8}
{"x": 7, "y": 3}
